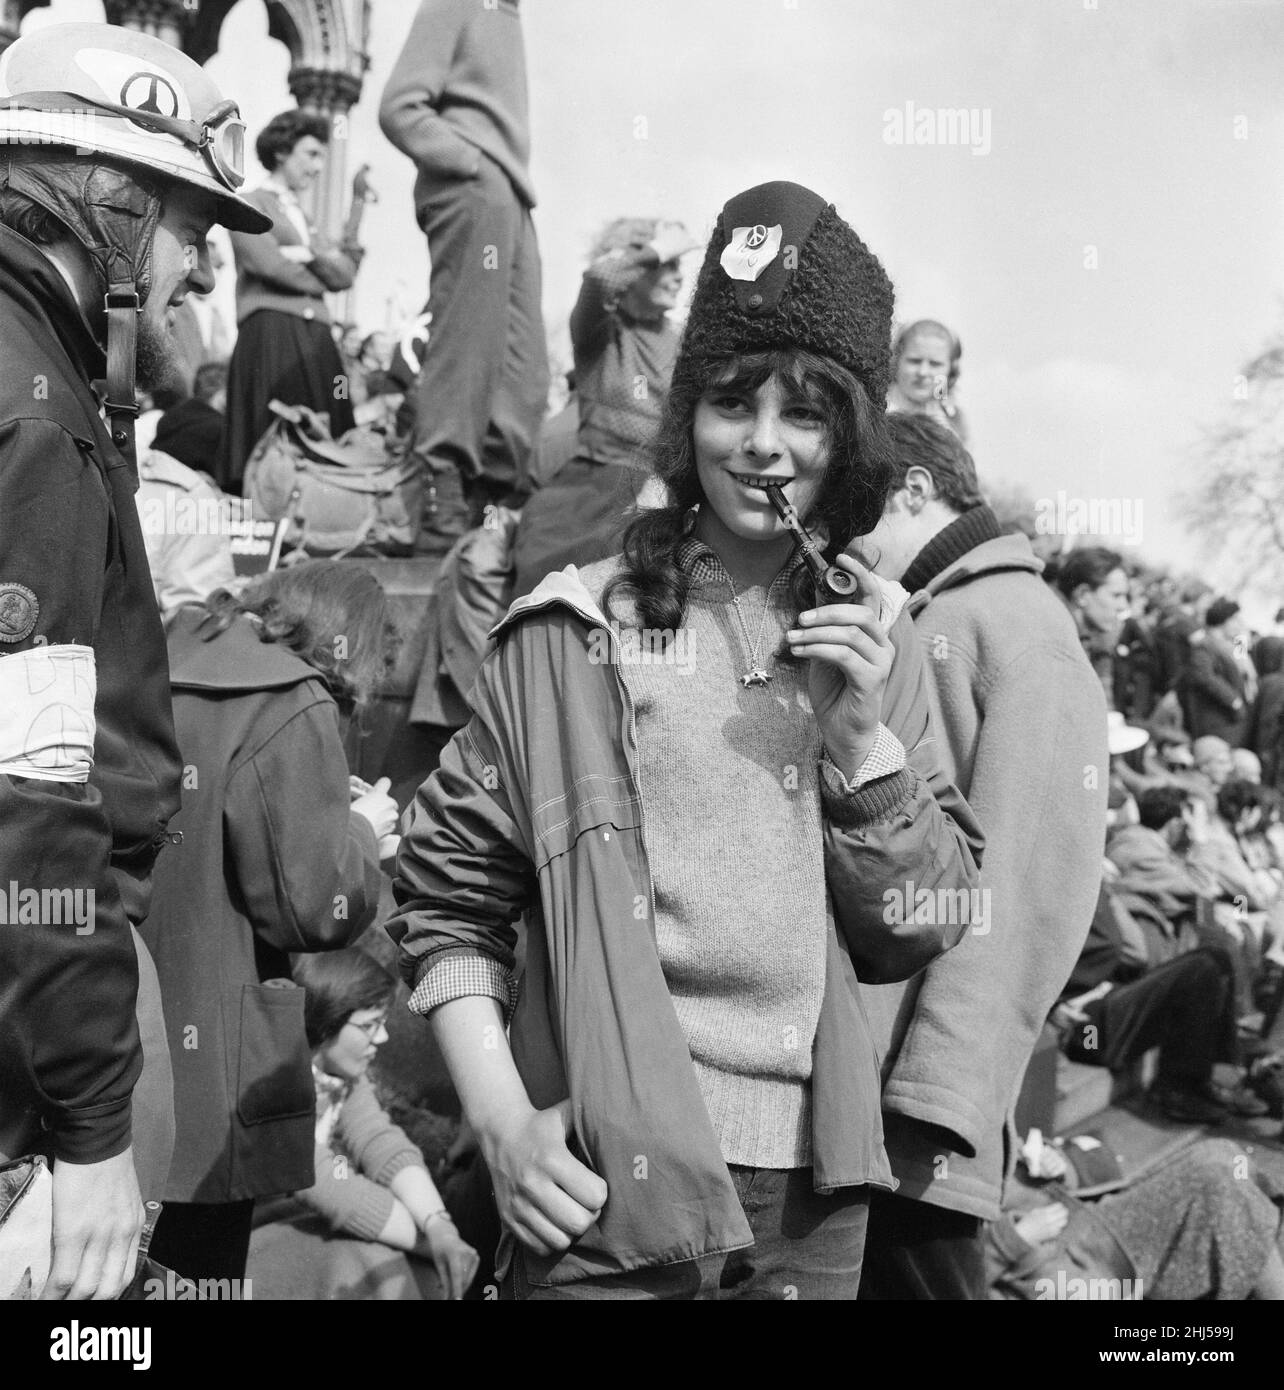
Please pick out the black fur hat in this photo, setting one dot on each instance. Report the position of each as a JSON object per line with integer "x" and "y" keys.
{"x": 784, "y": 270}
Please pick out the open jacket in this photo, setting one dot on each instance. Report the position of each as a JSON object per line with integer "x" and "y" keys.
{"x": 1212, "y": 690}
{"x": 273, "y": 861}
{"x": 70, "y": 537}
{"x": 1022, "y": 720}
{"x": 536, "y": 810}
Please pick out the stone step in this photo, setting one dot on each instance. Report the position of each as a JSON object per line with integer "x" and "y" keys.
{"x": 1083, "y": 1091}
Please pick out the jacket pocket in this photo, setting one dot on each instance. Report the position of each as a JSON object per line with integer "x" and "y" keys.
{"x": 274, "y": 1069}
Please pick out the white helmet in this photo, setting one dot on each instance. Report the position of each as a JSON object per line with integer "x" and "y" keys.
{"x": 133, "y": 98}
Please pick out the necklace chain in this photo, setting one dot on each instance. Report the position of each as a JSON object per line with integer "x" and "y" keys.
{"x": 756, "y": 675}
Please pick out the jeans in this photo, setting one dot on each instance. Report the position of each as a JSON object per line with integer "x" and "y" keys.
{"x": 806, "y": 1246}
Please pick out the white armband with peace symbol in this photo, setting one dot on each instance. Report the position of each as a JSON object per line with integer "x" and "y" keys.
{"x": 47, "y": 722}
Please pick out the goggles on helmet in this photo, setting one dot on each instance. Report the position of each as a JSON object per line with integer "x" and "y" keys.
{"x": 222, "y": 142}
{"x": 219, "y": 138}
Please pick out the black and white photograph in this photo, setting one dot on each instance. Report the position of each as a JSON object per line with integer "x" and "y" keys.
{"x": 641, "y": 659}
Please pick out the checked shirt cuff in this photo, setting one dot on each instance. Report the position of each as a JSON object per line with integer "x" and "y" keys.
{"x": 884, "y": 758}
{"x": 460, "y": 976}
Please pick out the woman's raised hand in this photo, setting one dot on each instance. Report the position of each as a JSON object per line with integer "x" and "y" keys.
{"x": 850, "y": 657}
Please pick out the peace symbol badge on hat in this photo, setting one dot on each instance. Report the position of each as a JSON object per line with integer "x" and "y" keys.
{"x": 750, "y": 251}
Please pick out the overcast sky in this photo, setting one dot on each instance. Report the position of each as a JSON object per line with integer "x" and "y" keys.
{"x": 1145, "y": 137}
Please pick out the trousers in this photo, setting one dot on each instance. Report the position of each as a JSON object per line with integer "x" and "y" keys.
{"x": 917, "y": 1251}
{"x": 483, "y": 385}
{"x": 1185, "y": 1007}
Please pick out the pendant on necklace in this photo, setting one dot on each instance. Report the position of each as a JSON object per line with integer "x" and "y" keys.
{"x": 755, "y": 677}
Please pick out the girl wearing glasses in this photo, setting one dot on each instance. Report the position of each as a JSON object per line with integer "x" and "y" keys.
{"x": 372, "y": 1225}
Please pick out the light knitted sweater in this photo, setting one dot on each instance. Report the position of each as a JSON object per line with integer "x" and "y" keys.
{"x": 729, "y": 781}
{"x": 366, "y": 1151}
{"x": 459, "y": 87}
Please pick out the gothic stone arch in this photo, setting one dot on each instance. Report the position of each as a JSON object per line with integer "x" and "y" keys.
{"x": 326, "y": 40}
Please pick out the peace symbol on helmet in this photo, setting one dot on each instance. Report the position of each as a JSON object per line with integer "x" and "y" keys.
{"x": 756, "y": 236}
{"x": 148, "y": 91}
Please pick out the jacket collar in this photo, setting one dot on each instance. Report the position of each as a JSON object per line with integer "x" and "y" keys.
{"x": 969, "y": 529}
{"x": 235, "y": 659}
{"x": 1004, "y": 553}
{"x": 561, "y": 588}
{"x": 36, "y": 284}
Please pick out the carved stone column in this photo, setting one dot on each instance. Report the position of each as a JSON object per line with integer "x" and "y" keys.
{"x": 330, "y": 94}
{"x": 327, "y": 41}
{"x": 165, "y": 19}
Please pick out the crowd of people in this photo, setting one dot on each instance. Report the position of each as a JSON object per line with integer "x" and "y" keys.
{"x": 787, "y": 792}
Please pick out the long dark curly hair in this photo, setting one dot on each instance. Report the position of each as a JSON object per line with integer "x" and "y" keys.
{"x": 848, "y": 503}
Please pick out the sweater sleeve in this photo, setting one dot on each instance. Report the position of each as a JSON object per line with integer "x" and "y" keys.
{"x": 409, "y": 110}
{"x": 335, "y": 268}
{"x": 306, "y": 864}
{"x": 260, "y": 256}
{"x": 912, "y": 827}
{"x": 349, "y": 1202}
{"x": 378, "y": 1148}
{"x": 604, "y": 282}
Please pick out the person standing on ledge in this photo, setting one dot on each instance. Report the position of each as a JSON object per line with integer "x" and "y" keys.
{"x": 456, "y": 104}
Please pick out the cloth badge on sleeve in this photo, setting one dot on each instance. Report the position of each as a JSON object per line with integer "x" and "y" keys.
{"x": 750, "y": 251}
{"x": 19, "y": 609}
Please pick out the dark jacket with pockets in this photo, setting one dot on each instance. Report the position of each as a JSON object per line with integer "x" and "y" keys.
{"x": 1211, "y": 690}
{"x": 70, "y": 536}
{"x": 273, "y": 861}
